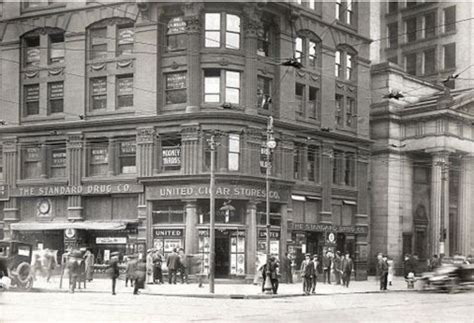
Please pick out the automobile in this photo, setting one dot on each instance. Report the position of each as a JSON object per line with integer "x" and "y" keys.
{"x": 450, "y": 277}
{"x": 15, "y": 259}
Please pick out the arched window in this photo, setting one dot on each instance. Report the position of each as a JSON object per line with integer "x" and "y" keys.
{"x": 176, "y": 37}
{"x": 345, "y": 63}
{"x": 308, "y": 49}
{"x": 113, "y": 37}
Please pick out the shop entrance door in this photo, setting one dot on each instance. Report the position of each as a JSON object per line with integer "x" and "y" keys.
{"x": 222, "y": 256}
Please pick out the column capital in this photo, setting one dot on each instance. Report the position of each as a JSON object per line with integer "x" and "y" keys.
{"x": 145, "y": 135}
{"x": 442, "y": 152}
{"x": 253, "y": 19}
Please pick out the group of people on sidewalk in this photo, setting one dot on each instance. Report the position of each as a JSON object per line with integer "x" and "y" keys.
{"x": 80, "y": 266}
{"x": 384, "y": 271}
{"x": 342, "y": 266}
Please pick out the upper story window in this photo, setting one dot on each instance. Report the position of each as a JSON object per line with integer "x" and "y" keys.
{"x": 430, "y": 25}
{"x": 392, "y": 6}
{"x": 307, "y": 101}
{"x": 308, "y": 49}
{"x": 234, "y": 152}
{"x": 112, "y": 37}
{"x": 410, "y": 63}
{"x": 264, "y": 88}
{"x": 313, "y": 159}
{"x": 56, "y": 97}
{"x": 36, "y": 4}
{"x": 56, "y": 47}
{"x": 345, "y": 11}
{"x": 31, "y": 165}
{"x": 298, "y": 162}
{"x": 176, "y": 37}
{"x": 344, "y": 168}
{"x": 127, "y": 157}
{"x": 222, "y": 30}
{"x": 124, "y": 91}
{"x": 449, "y": 55}
{"x": 263, "y": 40}
{"x": 176, "y": 88}
{"x": 392, "y": 34}
{"x": 58, "y": 160}
{"x": 345, "y": 64}
{"x": 429, "y": 61}
{"x": 410, "y": 28}
{"x": 98, "y": 157}
{"x": 32, "y": 50}
{"x": 171, "y": 152}
{"x": 43, "y": 46}
{"x": 449, "y": 19}
{"x": 31, "y": 98}
{"x": 98, "y": 93}
{"x": 218, "y": 82}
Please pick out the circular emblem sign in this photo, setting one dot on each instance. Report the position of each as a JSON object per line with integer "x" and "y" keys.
{"x": 331, "y": 237}
{"x": 44, "y": 207}
{"x": 70, "y": 233}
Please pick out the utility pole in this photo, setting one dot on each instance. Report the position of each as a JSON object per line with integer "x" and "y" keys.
{"x": 212, "y": 202}
{"x": 442, "y": 229}
{"x": 271, "y": 144}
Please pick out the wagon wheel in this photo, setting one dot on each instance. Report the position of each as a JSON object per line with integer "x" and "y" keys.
{"x": 25, "y": 280}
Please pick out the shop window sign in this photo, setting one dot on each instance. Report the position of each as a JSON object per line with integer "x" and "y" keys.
{"x": 176, "y": 88}
{"x": 59, "y": 158}
{"x": 99, "y": 155}
{"x": 171, "y": 156}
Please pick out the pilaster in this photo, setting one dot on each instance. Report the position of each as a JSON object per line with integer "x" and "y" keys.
{"x": 112, "y": 156}
{"x": 75, "y": 168}
{"x": 251, "y": 155}
{"x": 10, "y": 209}
{"x": 190, "y": 141}
{"x": 251, "y": 237}
{"x": 327, "y": 160}
{"x": 253, "y": 21}
{"x": 465, "y": 203}
{"x": 145, "y": 156}
{"x": 191, "y": 241}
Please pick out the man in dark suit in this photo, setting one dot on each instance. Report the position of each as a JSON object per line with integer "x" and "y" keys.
{"x": 327, "y": 262}
{"x": 114, "y": 269}
{"x": 307, "y": 269}
{"x": 347, "y": 267}
{"x": 173, "y": 265}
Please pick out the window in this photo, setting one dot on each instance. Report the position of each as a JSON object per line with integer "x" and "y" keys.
{"x": 349, "y": 163}
{"x": 429, "y": 65}
{"x": 307, "y": 50}
{"x": 32, "y": 50}
{"x": 410, "y": 61}
{"x": 313, "y": 164}
{"x": 98, "y": 43}
{"x": 410, "y": 27}
{"x": 312, "y": 55}
{"x": 311, "y": 4}
{"x": 31, "y": 162}
{"x": 56, "y": 48}
{"x": 125, "y": 40}
{"x": 430, "y": 25}
{"x": 313, "y": 110}
{"x": 392, "y": 34}
{"x": 234, "y": 152}
{"x": 176, "y": 37}
{"x": 98, "y": 90}
{"x": 392, "y": 6}
{"x": 124, "y": 91}
{"x": 176, "y": 88}
{"x": 450, "y": 56}
{"x": 350, "y": 111}
{"x": 345, "y": 11}
{"x": 299, "y": 97}
{"x": 344, "y": 168}
{"x": 213, "y": 27}
{"x": 171, "y": 152}
{"x": 212, "y": 86}
{"x": 263, "y": 40}
{"x": 98, "y": 157}
{"x": 299, "y": 49}
{"x": 339, "y": 109}
{"x": 263, "y": 92}
{"x": 450, "y": 19}
{"x": 31, "y": 97}
{"x": 349, "y": 64}
{"x": 410, "y": 3}
{"x": 173, "y": 213}
{"x": 349, "y": 12}
{"x": 56, "y": 97}
{"x": 393, "y": 59}
{"x": 297, "y": 164}
{"x": 338, "y": 65}
{"x": 58, "y": 161}
{"x": 127, "y": 157}
{"x": 338, "y": 9}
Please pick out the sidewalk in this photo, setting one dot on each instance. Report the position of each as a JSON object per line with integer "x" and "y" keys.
{"x": 238, "y": 291}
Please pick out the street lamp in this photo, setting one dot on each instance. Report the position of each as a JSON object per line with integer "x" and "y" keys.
{"x": 270, "y": 145}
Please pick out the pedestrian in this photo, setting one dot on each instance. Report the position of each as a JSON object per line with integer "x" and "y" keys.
{"x": 114, "y": 271}
{"x": 327, "y": 267}
{"x": 378, "y": 268}
{"x": 130, "y": 270}
{"x": 383, "y": 273}
{"x": 183, "y": 266}
{"x": 434, "y": 263}
{"x": 74, "y": 269}
{"x": 258, "y": 269}
{"x": 157, "y": 272}
{"x": 149, "y": 266}
{"x": 307, "y": 271}
{"x": 173, "y": 265}
{"x": 89, "y": 265}
{"x": 270, "y": 269}
{"x": 338, "y": 267}
{"x": 286, "y": 265}
{"x": 140, "y": 276}
{"x": 347, "y": 268}
{"x": 390, "y": 271}
{"x": 314, "y": 279}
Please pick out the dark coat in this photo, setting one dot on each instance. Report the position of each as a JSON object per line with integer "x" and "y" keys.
{"x": 140, "y": 274}
{"x": 347, "y": 266}
{"x": 114, "y": 271}
{"x": 173, "y": 262}
{"x": 272, "y": 270}
{"x": 309, "y": 270}
{"x": 131, "y": 268}
{"x": 326, "y": 262}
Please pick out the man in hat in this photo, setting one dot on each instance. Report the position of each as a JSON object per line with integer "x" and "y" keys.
{"x": 149, "y": 266}
{"x": 173, "y": 265}
{"x": 338, "y": 267}
{"x": 74, "y": 269}
{"x": 307, "y": 270}
{"x": 314, "y": 280}
{"x": 347, "y": 267}
{"x": 114, "y": 270}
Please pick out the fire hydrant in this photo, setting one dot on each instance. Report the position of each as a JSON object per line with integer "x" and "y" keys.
{"x": 410, "y": 280}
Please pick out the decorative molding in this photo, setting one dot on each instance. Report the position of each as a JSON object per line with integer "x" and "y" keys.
{"x": 98, "y": 67}
{"x": 58, "y": 71}
{"x": 145, "y": 135}
{"x": 124, "y": 64}
{"x": 75, "y": 141}
{"x": 174, "y": 65}
{"x": 224, "y": 62}
{"x": 300, "y": 73}
{"x": 30, "y": 75}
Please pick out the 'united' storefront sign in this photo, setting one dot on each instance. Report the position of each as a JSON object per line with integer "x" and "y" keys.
{"x": 224, "y": 191}
{"x": 176, "y": 233}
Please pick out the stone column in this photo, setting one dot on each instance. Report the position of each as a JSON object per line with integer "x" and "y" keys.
{"x": 145, "y": 166}
{"x": 465, "y": 203}
{"x": 44, "y": 160}
{"x": 327, "y": 160}
{"x": 10, "y": 169}
{"x": 191, "y": 240}
{"x": 251, "y": 155}
{"x": 190, "y": 144}
{"x": 75, "y": 172}
{"x": 192, "y": 14}
{"x": 439, "y": 164}
{"x": 112, "y": 156}
{"x": 251, "y": 237}
{"x": 252, "y": 18}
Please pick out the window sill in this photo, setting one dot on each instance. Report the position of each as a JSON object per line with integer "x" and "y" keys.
{"x": 308, "y": 120}
{"x": 346, "y": 25}
{"x": 40, "y": 118}
{"x": 42, "y": 8}
{"x": 173, "y": 52}
{"x": 104, "y": 113}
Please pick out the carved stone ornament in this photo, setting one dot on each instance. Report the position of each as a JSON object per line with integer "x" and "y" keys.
{"x": 328, "y": 151}
{"x": 124, "y": 64}
{"x": 193, "y": 23}
{"x": 30, "y": 75}
{"x": 252, "y": 19}
{"x": 224, "y": 62}
{"x": 314, "y": 77}
{"x": 98, "y": 67}
{"x": 58, "y": 71}
{"x": 9, "y": 146}
{"x": 301, "y": 74}
{"x": 174, "y": 65}
{"x": 340, "y": 86}
{"x": 145, "y": 135}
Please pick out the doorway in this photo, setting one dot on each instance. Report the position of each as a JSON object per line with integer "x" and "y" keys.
{"x": 222, "y": 256}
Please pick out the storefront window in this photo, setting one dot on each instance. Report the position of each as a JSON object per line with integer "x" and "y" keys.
{"x": 171, "y": 152}
{"x": 167, "y": 213}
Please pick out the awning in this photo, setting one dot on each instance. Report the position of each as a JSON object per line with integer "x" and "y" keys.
{"x": 84, "y": 225}
{"x": 298, "y": 197}
{"x": 349, "y": 202}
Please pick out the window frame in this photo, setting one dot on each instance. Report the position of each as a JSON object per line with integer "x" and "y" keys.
{"x": 176, "y": 34}
{"x": 392, "y": 38}
{"x": 92, "y": 95}
{"x": 95, "y": 165}
{"x": 129, "y": 95}
{"x": 171, "y": 141}
{"x": 309, "y": 56}
{"x": 118, "y": 51}
{"x": 126, "y": 155}
{"x": 27, "y": 102}
{"x": 224, "y": 31}
{"x": 429, "y": 32}
{"x": 224, "y": 86}
{"x": 51, "y": 99}
{"x": 27, "y": 160}
{"x": 449, "y": 27}
{"x": 169, "y": 90}
{"x": 54, "y": 59}
{"x": 53, "y": 168}
{"x": 445, "y": 60}
{"x": 263, "y": 98}
{"x": 233, "y": 155}
{"x": 426, "y": 71}
{"x": 345, "y": 64}
{"x": 411, "y": 33}
{"x": 100, "y": 41}
{"x": 411, "y": 55}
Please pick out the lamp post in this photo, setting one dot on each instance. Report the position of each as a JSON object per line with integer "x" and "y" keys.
{"x": 212, "y": 216}
{"x": 442, "y": 230}
{"x": 270, "y": 145}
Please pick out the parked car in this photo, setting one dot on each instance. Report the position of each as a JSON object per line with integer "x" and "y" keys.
{"x": 451, "y": 276}
{"x": 15, "y": 259}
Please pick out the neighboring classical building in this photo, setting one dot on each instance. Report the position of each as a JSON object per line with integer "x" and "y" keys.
{"x": 422, "y": 167}
{"x": 429, "y": 39}
{"x": 107, "y": 110}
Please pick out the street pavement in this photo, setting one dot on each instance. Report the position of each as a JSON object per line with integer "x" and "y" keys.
{"x": 411, "y": 306}
{"x": 222, "y": 290}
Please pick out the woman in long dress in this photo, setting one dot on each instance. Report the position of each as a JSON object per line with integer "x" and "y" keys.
{"x": 390, "y": 271}
{"x": 149, "y": 267}
{"x": 89, "y": 262}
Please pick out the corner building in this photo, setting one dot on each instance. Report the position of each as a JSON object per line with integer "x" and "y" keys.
{"x": 107, "y": 110}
